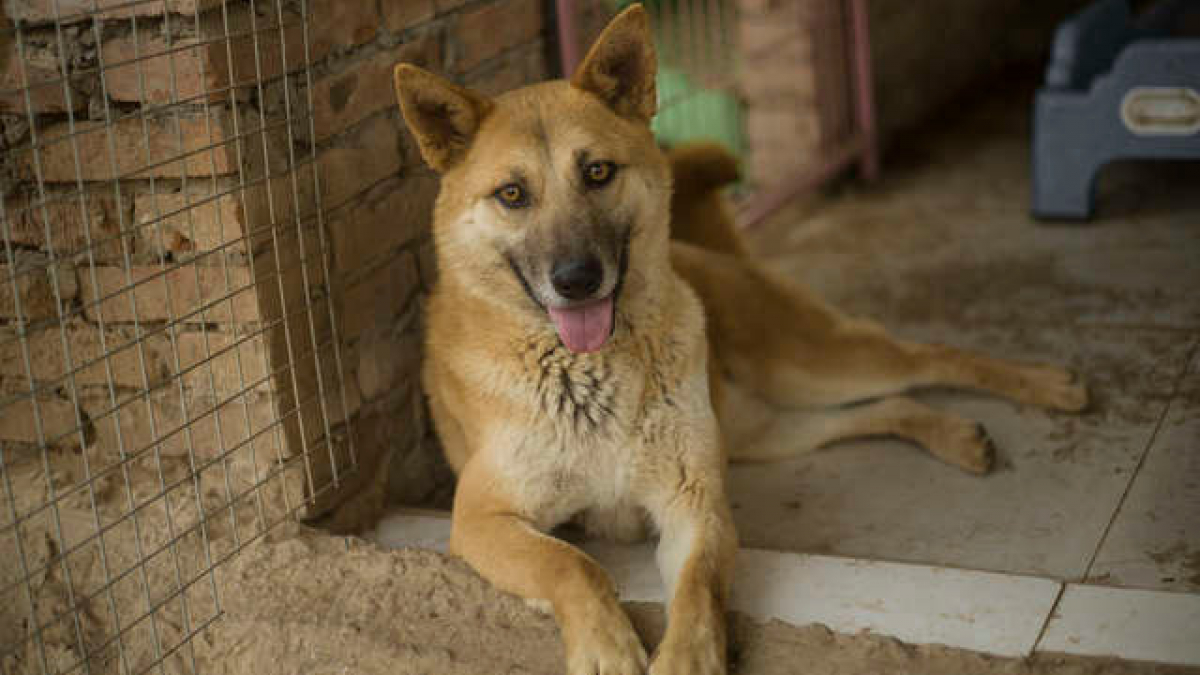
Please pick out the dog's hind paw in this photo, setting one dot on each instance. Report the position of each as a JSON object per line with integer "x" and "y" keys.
{"x": 1067, "y": 392}
{"x": 1054, "y": 388}
{"x": 964, "y": 444}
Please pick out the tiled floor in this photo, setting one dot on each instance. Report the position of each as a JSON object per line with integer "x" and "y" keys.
{"x": 943, "y": 250}
{"x": 1003, "y": 614}
{"x": 1155, "y": 540}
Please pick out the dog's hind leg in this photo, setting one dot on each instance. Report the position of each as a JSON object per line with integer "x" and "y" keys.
{"x": 795, "y": 351}
{"x": 955, "y": 440}
{"x": 863, "y": 362}
{"x": 860, "y": 362}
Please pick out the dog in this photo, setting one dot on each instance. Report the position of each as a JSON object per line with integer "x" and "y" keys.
{"x": 599, "y": 344}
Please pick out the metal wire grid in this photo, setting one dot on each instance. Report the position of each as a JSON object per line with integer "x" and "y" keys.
{"x": 697, "y": 38}
{"x": 62, "y": 633}
{"x": 697, "y": 51}
{"x": 694, "y": 38}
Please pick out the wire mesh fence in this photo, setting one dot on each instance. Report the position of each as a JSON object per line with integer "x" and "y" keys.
{"x": 171, "y": 384}
{"x": 698, "y": 69}
{"x": 785, "y": 84}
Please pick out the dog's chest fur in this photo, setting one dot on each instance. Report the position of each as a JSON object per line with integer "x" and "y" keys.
{"x": 577, "y": 394}
{"x": 583, "y": 447}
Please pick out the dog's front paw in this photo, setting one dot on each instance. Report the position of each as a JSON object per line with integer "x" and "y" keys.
{"x": 689, "y": 656}
{"x": 603, "y": 642}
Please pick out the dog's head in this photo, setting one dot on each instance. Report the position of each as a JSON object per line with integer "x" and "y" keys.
{"x": 554, "y": 197}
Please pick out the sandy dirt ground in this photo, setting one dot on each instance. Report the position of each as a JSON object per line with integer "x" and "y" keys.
{"x": 144, "y": 577}
{"x": 320, "y": 604}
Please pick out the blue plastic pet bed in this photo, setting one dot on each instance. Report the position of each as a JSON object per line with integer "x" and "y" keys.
{"x": 1115, "y": 89}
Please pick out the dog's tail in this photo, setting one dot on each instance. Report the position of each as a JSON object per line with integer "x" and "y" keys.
{"x": 699, "y": 214}
{"x": 702, "y": 167}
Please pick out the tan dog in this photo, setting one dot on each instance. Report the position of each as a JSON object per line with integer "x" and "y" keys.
{"x": 567, "y": 367}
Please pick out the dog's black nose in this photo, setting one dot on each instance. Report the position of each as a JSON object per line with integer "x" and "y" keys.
{"x": 577, "y": 278}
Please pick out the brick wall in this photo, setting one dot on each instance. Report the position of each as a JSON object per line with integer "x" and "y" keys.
{"x": 169, "y": 240}
{"x": 924, "y": 55}
{"x": 147, "y": 192}
{"x": 378, "y": 200}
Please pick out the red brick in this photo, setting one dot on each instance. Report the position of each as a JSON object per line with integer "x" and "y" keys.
{"x": 767, "y": 34}
{"x": 274, "y": 205}
{"x": 363, "y": 157}
{"x": 400, "y": 15}
{"x": 93, "y": 359}
{"x": 73, "y": 218}
{"x": 339, "y": 24}
{"x": 139, "y": 431}
{"x": 88, "y": 350}
{"x": 388, "y": 359}
{"x": 393, "y": 213}
{"x": 179, "y": 286}
{"x": 378, "y": 297}
{"x": 342, "y": 100}
{"x": 59, "y": 424}
{"x": 211, "y": 363}
{"x": 201, "y": 65}
{"x": 34, "y": 285}
{"x": 483, "y": 33}
{"x": 516, "y": 68}
{"x": 775, "y": 80}
{"x": 176, "y": 223}
{"x": 58, "y": 159}
{"x": 42, "y": 77}
{"x": 43, "y": 11}
{"x": 444, "y": 6}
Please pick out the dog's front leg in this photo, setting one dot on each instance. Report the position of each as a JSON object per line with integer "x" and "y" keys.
{"x": 509, "y": 552}
{"x": 695, "y": 557}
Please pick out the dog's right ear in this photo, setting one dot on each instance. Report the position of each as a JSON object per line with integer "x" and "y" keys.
{"x": 442, "y": 115}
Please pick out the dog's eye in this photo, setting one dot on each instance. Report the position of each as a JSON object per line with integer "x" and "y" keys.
{"x": 596, "y": 174}
{"x": 512, "y": 196}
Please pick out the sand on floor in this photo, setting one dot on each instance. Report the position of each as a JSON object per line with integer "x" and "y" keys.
{"x": 321, "y": 604}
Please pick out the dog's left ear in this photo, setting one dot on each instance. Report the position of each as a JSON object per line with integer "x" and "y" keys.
{"x": 621, "y": 66}
{"x": 442, "y": 115}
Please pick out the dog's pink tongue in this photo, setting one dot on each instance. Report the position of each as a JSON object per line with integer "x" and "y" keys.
{"x": 585, "y": 328}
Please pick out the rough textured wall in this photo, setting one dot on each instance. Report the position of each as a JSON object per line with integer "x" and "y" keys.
{"x": 131, "y": 235}
{"x": 171, "y": 372}
{"x": 378, "y": 202}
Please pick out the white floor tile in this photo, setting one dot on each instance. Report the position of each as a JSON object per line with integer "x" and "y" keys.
{"x": 1129, "y": 623}
{"x": 1154, "y": 542}
{"x": 982, "y": 611}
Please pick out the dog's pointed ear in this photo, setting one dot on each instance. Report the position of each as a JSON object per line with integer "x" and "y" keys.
{"x": 442, "y": 115}
{"x": 621, "y": 66}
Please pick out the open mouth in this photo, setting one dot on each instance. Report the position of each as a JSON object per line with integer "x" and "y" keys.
{"x": 584, "y": 327}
